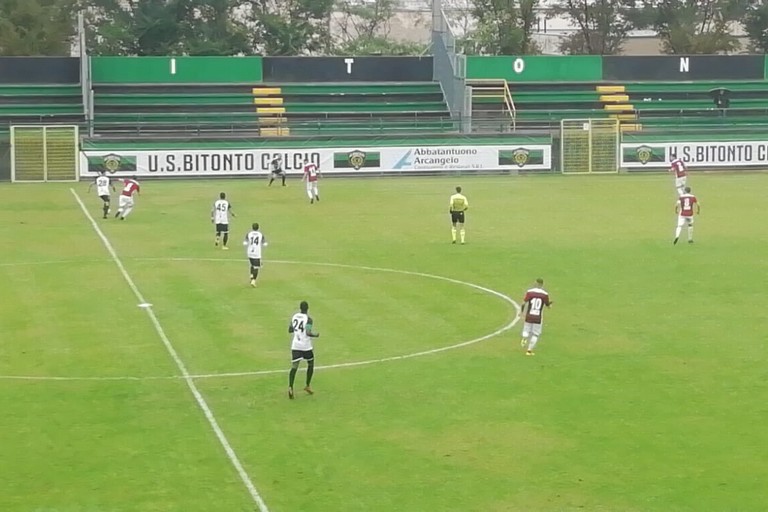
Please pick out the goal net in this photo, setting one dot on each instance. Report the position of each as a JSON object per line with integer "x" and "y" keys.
{"x": 589, "y": 146}
{"x": 44, "y": 153}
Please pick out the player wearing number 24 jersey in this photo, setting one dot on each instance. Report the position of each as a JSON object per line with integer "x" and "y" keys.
{"x": 536, "y": 298}
{"x": 301, "y": 346}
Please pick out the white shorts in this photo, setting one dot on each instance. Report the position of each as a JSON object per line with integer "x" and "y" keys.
{"x": 529, "y": 329}
{"x": 681, "y": 221}
{"x": 125, "y": 201}
{"x": 311, "y": 185}
{"x": 680, "y": 182}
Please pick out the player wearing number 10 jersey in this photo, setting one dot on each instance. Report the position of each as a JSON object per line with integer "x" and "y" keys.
{"x": 535, "y": 300}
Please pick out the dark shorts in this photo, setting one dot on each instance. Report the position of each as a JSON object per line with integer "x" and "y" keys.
{"x": 105, "y": 198}
{"x": 255, "y": 262}
{"x": 457, "y": 217}
{"x": 298, "y": 355}
{"x": 279, "y": 172}
{"x": 222, "y": 228}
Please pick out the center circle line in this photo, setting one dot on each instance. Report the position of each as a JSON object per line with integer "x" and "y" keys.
{"x": 509, "y": 325}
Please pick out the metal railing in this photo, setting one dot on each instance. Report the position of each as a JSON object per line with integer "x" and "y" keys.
{"x": 496, "y": 89}
{"x": 449, "y": 68}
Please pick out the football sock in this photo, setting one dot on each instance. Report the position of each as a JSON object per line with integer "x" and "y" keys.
{"x": 254, "y": 273}
{"x": 461, "y": 232}
{"x": 283, "y": 180}
{"x": 119, "y": 211}
{"x": 127, "y": 211}
{"x": 270, "y": 181}
{"x": 106, "y": 209}
{"x": 310, "y": 371}
{"x": 677, "y": 232}
{"x": 453, "y": 234}
{"x": 309, "y": 195}
{"x": 317, "y": 198}
{"x": 226, "y": 239}
{"x": 292, "y": 376}
{"x": 690, "y": 232}
{"x": 532, "y": 342}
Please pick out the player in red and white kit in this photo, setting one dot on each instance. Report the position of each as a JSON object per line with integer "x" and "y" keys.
{"x": 130, "y": 187}
{"x": 311, "y": 175}
{"x": 678, "y": 167}
{"x": 533, "y": 308}
{"x": 684, "y": 207}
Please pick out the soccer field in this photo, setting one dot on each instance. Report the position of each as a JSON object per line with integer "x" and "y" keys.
{"x": 648, "y": 390}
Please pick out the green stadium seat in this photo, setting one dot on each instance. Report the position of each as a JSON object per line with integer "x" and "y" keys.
{"x": 638, "y": 106}
{"x": 273, "y": 109}
{"x": 40, "y": 104}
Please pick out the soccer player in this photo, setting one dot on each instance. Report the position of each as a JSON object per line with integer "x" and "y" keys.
{"x": 458, "y": 207}
{"x": 533, "y": 308}
{"x": 130, "y": 187}
{"x": 276, "y": 169}
{"x": 220, "y": 216}
{"x": 684, "y": 207}
{"x": 681, "y": 174}
{"x": 311, "y": 175}
{"x": 301, "y": 346}
{"x": 103, "y": 183}
{"x": 254, "y": 242}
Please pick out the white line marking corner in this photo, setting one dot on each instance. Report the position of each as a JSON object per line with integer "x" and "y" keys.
{"x": 201, "y": 402}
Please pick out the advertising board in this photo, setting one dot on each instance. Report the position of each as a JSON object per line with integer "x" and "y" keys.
{"x": 652, "y": 156}
{"x": 254, "y": 162}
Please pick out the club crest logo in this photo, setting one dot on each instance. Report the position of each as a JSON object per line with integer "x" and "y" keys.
{"x": 520, "y": 156}
{"x": 112, "y": 162}
{"x": 356, "y": 159}
{"x": 644, "y": 154}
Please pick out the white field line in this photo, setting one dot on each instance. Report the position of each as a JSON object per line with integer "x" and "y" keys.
{"x": 233, "y": 458}
{"x": 352, "y": 364}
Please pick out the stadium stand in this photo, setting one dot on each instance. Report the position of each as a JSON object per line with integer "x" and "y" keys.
{"x": 34, "y": 104}
{"x": 272, "y": 109}
{"x": 639, "y": 106}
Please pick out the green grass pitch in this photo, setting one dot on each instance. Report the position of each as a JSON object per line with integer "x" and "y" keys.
{"x": 648, "y": 391}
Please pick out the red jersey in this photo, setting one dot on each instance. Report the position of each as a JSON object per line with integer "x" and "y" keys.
{"x": 685, "y": 203}
{"x": 130, "y": 187}
{"x": 533, "y": 305}
{"x": 678, "y": 167}
{"x": 311, "y": 172}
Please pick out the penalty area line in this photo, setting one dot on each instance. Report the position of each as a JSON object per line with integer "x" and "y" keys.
{"x": 188, "y": 379}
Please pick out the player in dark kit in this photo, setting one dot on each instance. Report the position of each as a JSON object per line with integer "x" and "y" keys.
{"x": 276, "y": 169}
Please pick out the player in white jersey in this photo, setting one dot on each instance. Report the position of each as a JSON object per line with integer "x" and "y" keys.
{"x": 311, "y": 175}
{"x": 254, "y": 242}
{"x": 220, "y": 217}
{"x": 301, "y": 346}
{"x": 103, "y": 183}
